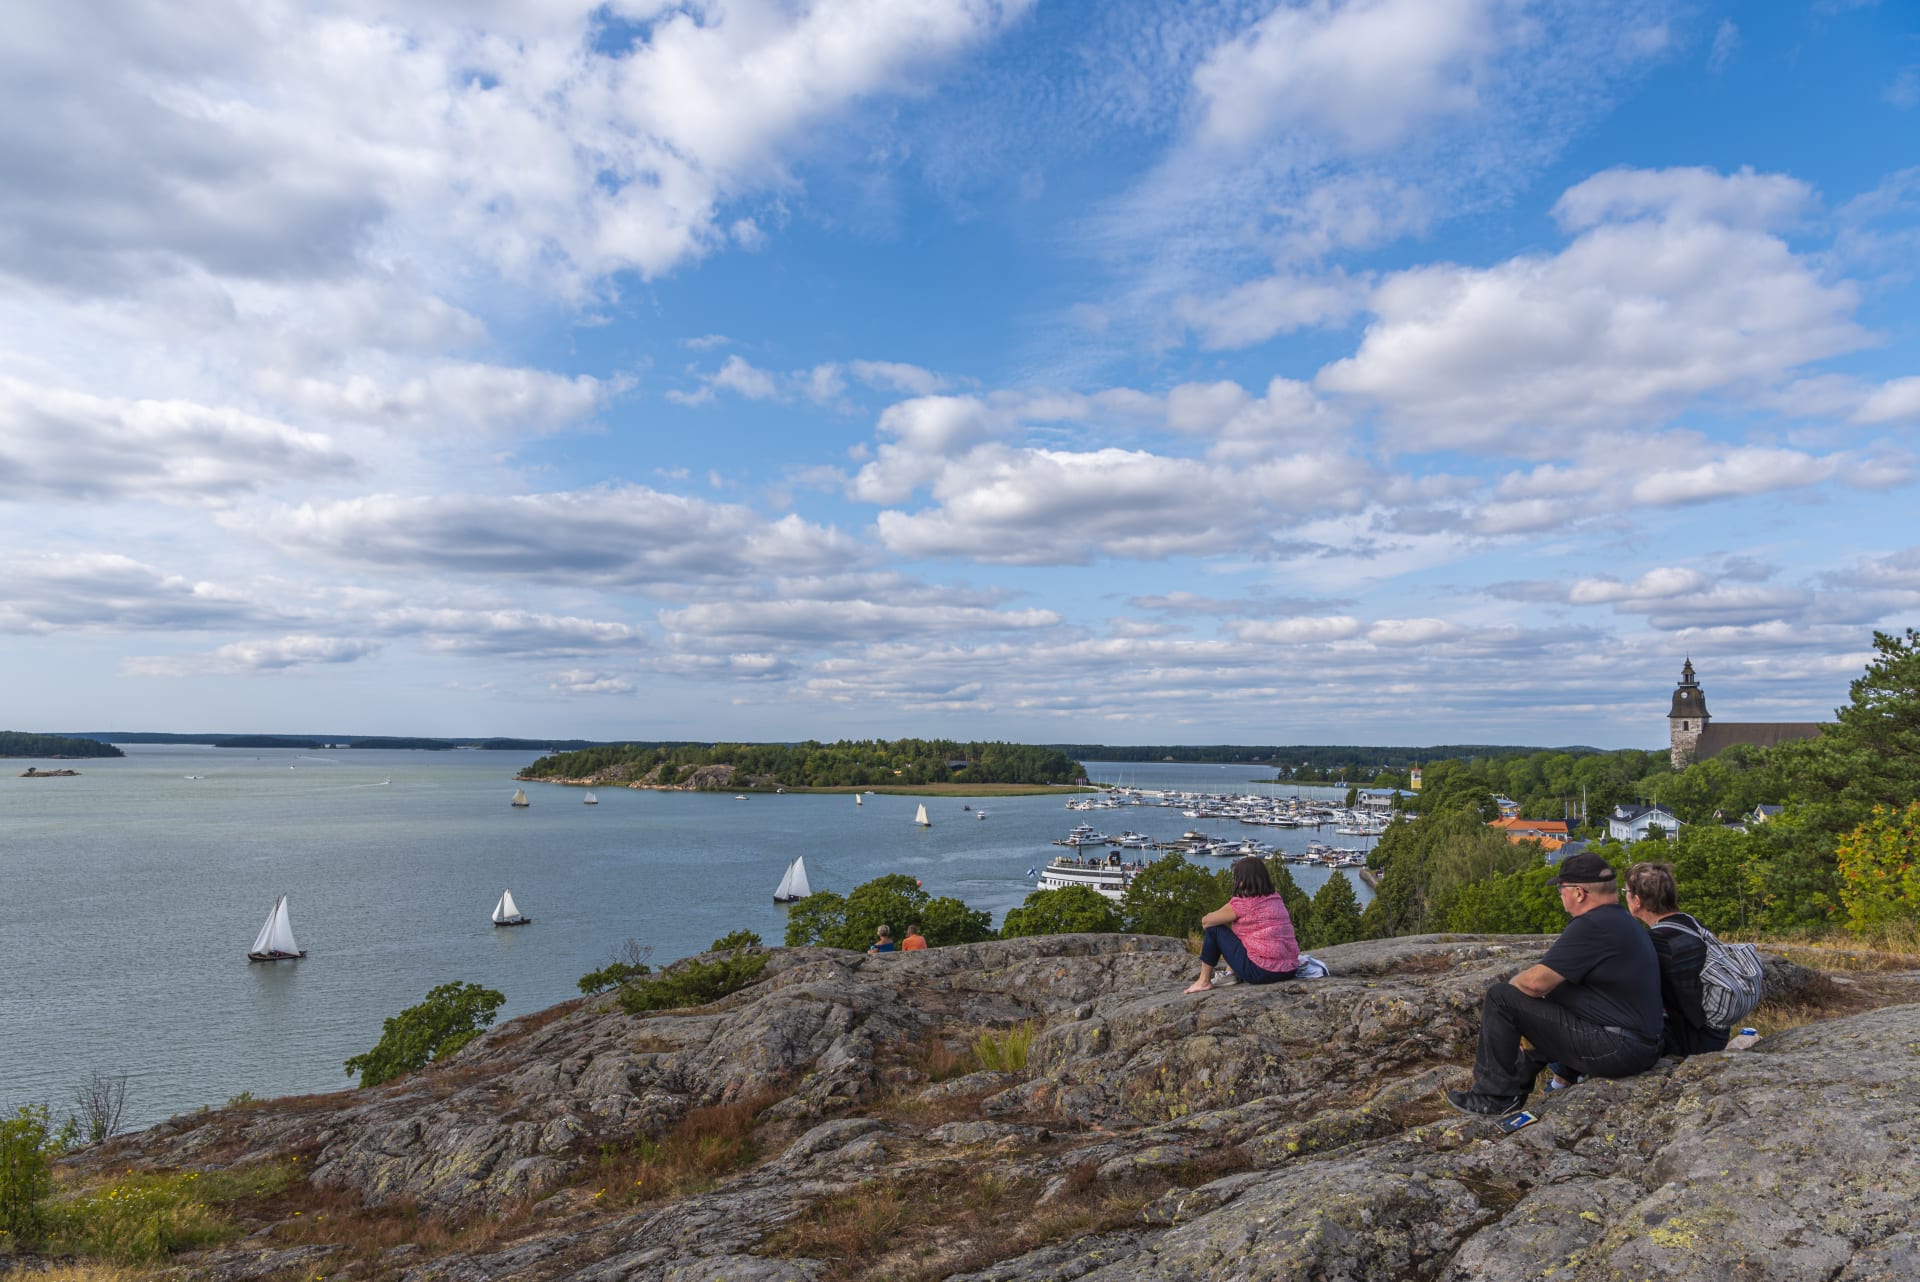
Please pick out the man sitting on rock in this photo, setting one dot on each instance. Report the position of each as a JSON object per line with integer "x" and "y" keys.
{"x": 1592, "y": 1003}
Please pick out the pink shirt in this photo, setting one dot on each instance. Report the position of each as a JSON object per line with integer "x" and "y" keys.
{"x": 1265, "y": 929}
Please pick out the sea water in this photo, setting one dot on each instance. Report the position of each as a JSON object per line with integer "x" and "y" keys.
{"x": 130, "y": 894}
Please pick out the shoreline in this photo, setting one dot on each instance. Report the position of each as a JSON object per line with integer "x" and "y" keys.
{"x": 881, "y": 790}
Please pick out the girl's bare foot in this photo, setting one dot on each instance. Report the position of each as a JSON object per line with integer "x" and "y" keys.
{"x": 1199, "y": 986}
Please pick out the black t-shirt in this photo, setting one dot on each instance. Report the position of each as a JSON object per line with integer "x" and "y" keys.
{"x": 1611, "y": 971}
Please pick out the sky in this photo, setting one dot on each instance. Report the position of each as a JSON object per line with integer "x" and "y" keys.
{"x": 1334, "y": 371}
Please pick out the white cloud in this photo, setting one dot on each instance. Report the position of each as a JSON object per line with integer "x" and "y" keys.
{"x": 1411, "y": 632}
{"x": 1256, "y": 311}
{"x": 615, "y": 535}
{"x": 1726, "y": 43}
{"x": 925, "y": 432}
{"x": 43, "y": 593}
{"x": 1239, "y": 426}
{"x": 512, "y": 632}
{"x": 1664, "y": 581}
{"x": 581, "y": 681}
{"x": 457, "y": 396}
{"x": 895, "y": 376}
{"x": 1740, "y": 472}
{"x": 1628, "y": 322}
{"x": 1895, "y": 401}
{"x": 799, "y": 622}
{"x": 1337, "y": 627}
{"x": 249, "y": 658}
{"x": 1366, "y": 71}
{"x": 63, "y": 444}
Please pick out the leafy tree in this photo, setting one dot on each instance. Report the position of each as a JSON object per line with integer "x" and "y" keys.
{"x": 1299, "y": 903}
{"x": 1880, "y": 869}
{"x": 1336, "y": 913}
{"x": 26, "y": 1174}
{"x": 1169, "y": 897}
{"x": 451, "y": 1016}
{"x": 734, "y": 940}
{"x": 1515, "y": 903}
{"x": 895, "y": 900}
{"x": 1718, "y": 873}
{"x": 1070, "y": 910}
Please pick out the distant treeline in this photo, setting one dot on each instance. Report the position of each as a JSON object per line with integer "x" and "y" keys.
{"x": 822, "y": 765}
{"x": 351, "y": 741}
{"x": 16, "y": 743}
{"x": 1347, "y": 763}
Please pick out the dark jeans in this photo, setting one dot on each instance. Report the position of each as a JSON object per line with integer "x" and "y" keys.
{"x": 1500, "y": 1067}
{"x": 1222, "y": 944}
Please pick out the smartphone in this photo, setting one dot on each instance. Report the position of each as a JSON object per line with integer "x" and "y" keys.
{"x": 1514, "y": 1121}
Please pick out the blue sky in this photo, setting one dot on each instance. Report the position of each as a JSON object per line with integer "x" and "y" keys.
{"x": 1384, "y": 371}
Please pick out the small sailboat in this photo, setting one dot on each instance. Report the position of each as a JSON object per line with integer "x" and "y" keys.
{"x": 520, "y": 798}
{"x": 592, "y": 800}
{"x": 507, "y": 913}
{"x": 920, "y": 817}
{"x": 793, "y": 887}
{"x": 275, "y": 941}
{"x": 859, "y": 800}
{"x": 979, "y": 814}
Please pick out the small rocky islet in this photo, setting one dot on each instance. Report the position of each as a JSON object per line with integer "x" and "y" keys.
{"x": 1292, "y": 1131}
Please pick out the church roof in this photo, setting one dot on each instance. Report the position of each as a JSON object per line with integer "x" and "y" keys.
{"x": 1721, "y": 735}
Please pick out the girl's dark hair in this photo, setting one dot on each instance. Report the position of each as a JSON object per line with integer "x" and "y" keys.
{"x": 1250, "y": 878}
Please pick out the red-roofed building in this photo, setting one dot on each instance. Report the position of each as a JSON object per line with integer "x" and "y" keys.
{"x": 1550, "y": 833}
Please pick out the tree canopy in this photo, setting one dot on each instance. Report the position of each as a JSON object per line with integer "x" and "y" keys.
{"x": 847, "y": 763}
{"x": 451, "y": 1016}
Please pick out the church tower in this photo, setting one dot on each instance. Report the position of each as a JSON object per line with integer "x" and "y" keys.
{"x": 1688, "y": 716}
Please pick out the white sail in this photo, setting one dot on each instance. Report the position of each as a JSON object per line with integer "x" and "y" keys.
{"x": 921, "y": 817}
{"x": 276, "y": 937}
{"x": 592, "y": 800}
{"x": 506, "y": 909}
{"x": 265, "y": 936}
{"x": 859, "y": 800}
{"x": 784, "y": 891}
{"x": 520, "y": 797}
{"x": 798, "y": 888}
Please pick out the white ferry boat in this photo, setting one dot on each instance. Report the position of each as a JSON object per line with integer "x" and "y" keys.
{"x": 1108, "y": 876}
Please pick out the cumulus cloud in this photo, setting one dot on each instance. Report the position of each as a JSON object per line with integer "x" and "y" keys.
{"x": 522, "y": 633}
{"x": 1895, "y": 401}
{"x": 1238, "y": 425}
{"x": 276, "y": 142}
{"x": 254, "y": 658}
{"x": 797, "y": 622}
{"x": 1365, "y": 71}
{"x": 1033, "y": 506}
{"x": 582, "y": 681}
{"x": 48, "y": 593}
{"x": 627, "y": 534}
{"x": 1279, "y": 304}
{"x": 64, "y": 444}
{"x": 1671, "y": 290}
{"x": 454, "y": 396}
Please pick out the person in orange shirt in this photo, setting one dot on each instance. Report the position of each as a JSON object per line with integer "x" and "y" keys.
{"x": 913, "y": 942}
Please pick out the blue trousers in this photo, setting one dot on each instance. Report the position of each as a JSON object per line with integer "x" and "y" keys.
{"x": 1221, "y": 944}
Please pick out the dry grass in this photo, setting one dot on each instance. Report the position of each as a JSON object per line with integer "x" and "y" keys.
{"x": 86, "y": 1271}
{"x": 937, "y": 1059}
{"x": 954, "y": 1217}
{"x": 702, "y": 1148}
{"x": 1820, "y": 998}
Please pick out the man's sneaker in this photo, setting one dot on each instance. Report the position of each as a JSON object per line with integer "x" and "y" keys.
{"x": 1485, "y": 1105}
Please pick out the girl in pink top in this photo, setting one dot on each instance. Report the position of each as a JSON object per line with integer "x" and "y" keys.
{"x": 1252, "y": 932}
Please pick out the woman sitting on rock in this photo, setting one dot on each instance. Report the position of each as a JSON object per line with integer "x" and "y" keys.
{"x": 1252, "y": 932}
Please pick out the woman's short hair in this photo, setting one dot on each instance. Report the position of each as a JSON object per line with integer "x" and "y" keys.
{"x": 1251, "y": 879}
{"x": 883, "y": 932}
{"x": 1653, "y": 885}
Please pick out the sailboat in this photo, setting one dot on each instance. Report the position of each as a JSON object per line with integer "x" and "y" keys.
{"x": 859, "y": 800}
{"x": 507, "y": 913}
{"x": 275, "y": 941}
{"x": 520, "y": 798}
{"x": 592, "y": 800}
{"x": 921, "y": 817}
{"x": 793, "y": 886}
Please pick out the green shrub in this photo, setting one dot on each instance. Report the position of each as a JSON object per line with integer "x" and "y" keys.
{"x": 451, "y": 1016}
{"x": 142, "y": 1219}
{"x": 693, "y": 983}
{"x": 1335, "y": 914}
{"x": 26, "y": 1175}
{"x": 1070, "y": 910}
{"x": 735, "y": 940}
{"x": 613, "y": 975}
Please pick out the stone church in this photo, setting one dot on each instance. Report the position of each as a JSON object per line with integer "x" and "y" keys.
{"x": 1697, "y": 736}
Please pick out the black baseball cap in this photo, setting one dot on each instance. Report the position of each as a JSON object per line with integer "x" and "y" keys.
{"x": 1583, "y": 869}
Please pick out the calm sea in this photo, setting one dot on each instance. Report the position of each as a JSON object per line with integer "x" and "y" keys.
{"x": 132, "y": 892}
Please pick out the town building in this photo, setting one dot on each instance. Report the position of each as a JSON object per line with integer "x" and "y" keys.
{"x": 1696, "y": 736}
{"x": 1628, "y": 824}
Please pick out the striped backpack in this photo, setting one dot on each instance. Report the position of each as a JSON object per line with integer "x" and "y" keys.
{"x": 1732, "y": 981}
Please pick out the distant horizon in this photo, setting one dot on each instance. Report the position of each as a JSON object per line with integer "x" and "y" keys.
{"x": 1308, "y": 370}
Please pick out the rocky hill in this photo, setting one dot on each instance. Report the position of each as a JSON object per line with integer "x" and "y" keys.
{"x": 833, "y": 1121}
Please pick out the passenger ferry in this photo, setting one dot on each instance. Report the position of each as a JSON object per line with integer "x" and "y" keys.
{"x": 1108, "y": 876}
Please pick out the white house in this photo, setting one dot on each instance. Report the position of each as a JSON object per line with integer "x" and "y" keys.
{"x": 1637, "y": 823}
